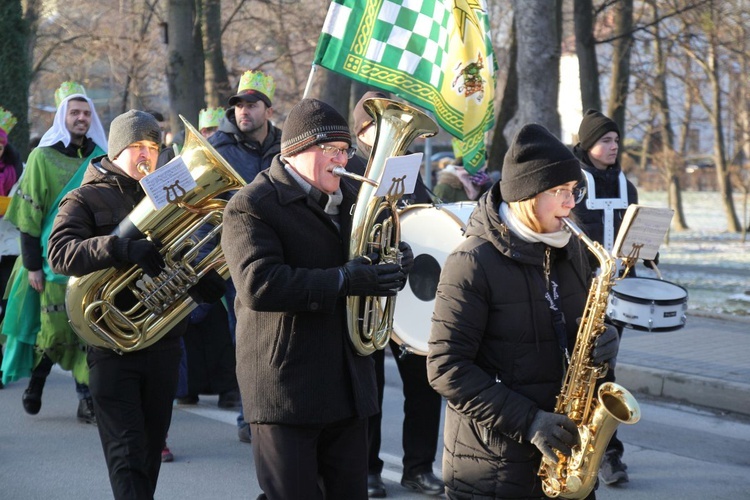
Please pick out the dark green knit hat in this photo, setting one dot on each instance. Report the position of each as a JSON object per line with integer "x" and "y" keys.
{"x": 129, "y": 127}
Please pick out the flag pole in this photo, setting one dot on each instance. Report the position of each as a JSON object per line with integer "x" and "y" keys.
{"x": 310, "y": 79}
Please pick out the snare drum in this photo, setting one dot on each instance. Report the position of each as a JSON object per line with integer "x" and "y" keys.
{"x": 648, "y": 304}
{"x": 432, "y": 231}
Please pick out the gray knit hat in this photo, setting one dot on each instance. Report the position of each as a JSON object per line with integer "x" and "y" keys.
{"x": 536, "y": 161}
{"x": 312, "y": 122}
{"x": 129, "y": 127}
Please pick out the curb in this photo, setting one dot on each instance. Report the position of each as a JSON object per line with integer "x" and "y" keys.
{"x": 694, "y": 389}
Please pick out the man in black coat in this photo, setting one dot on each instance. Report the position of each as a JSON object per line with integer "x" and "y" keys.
{"x": 132, "y": 392}
{"x": 306, "y": 393}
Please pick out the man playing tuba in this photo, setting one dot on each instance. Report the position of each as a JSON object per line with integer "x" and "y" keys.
{"x": 132, "y": 392}
{"x": 306, "y": 393}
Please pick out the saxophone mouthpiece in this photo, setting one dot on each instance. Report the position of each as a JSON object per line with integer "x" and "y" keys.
{"x": 144, "y": 167}
{"x": 342, "y": 172}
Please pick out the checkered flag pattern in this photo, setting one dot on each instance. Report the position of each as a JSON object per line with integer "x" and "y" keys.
{"x": 420, "y": 51}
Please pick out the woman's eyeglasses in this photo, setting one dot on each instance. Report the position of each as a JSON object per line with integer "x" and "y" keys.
{"x": 565, "y": 195}
{"x": 333, "y": 151}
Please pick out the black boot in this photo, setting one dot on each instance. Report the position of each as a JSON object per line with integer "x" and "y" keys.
{"x": 86, "y": 411}
{"x": 32, "y": 396}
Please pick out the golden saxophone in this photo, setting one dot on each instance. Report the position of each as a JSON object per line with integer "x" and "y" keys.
{"x": 370, "y": 319}
{"x": 126, "y": 310}
{"x": 597, "y": 417}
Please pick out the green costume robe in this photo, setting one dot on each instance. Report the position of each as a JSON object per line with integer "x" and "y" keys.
{"x": 37, "y": 323}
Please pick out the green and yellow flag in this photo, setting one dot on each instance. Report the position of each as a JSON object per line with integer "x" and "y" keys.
{"x": 436, "y": 54}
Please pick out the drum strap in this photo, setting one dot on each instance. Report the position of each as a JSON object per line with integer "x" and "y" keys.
{"x": 558, "y": 317}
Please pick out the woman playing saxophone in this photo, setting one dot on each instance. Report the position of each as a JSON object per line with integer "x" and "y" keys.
{"x": 504, "y": 326}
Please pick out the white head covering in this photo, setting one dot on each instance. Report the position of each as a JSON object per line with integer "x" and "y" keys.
{"x": 59, "y": 132}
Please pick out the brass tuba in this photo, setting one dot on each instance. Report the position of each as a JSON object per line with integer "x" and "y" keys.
{"x": 370, "y": 319}
{"x": 596, "y": 413}
{"x": 125, "y": 309}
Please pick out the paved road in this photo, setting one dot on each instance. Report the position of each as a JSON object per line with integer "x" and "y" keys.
{"x": 676, "y": 451}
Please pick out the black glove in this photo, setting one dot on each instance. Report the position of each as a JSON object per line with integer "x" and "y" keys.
{"x": 407, "y": 257}
{"x": 651, "y": 263}
{"x": 146, "y": 255}
{"x": 209, "y": 289}
{"x": 606, "y": 346}
{"x": 362, "y": 278}
{"x": 552, "y": 430}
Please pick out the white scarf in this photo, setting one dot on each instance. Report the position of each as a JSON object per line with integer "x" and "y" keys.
{"x": 558, "y": 239}
{"x": 59, "y": 131}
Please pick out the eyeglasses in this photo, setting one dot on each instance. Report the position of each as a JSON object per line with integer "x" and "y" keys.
{"x": 333, "y": 151}
{"x": 565, "y": 195}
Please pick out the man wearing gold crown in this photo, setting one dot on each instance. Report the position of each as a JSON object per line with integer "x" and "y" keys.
{"x": 36, "y": 323}
{"x": 209, "y": 119}
{"x": 248, "y": 141}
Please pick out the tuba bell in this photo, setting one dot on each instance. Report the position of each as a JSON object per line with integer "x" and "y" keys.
{"x": 370, "y": 319}
{"x": 125, "y": 309}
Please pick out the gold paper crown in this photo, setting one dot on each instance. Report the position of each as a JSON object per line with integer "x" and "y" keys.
{"x": 210, "y": 117}
{"x": 259, "y": 81}
{"x": 67, "y": 89}
{"x": 7, "y": 120}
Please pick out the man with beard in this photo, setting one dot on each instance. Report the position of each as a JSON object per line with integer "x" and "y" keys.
{"x": 246, "y": 137}
{"x": 36, "y": 324}
{"x": 248, "y": 141}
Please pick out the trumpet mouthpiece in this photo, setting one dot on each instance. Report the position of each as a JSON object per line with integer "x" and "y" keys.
{"x": 342, "y": 172}
{"x": 144, "y": 167}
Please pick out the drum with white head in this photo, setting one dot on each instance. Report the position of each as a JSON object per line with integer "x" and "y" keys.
{"x": 648, "y": 304}
{"x": 432, "y": 231}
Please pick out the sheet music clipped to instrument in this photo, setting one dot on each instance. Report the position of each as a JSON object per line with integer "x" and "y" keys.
{"x": 642, "y": 232}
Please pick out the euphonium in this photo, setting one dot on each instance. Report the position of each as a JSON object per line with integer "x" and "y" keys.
{"x": 596, "y": 418}
{"x": 125, "y": 309}
{"x": 370, "y": 319}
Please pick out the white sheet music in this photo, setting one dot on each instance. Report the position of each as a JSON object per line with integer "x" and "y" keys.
{"x": 399, "y": 175}
{"x": 642, "y": 232}
{"x": 168, "y": 183}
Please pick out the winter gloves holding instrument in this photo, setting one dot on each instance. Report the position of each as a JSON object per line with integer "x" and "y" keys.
{"x": 552, "y": 431}
{"x": 363, "y": 276}
{"x": 145, "y": 254}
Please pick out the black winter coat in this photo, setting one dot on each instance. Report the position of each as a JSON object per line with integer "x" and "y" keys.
{"x": 295, "y": 364}
{"x": 494, "y": 355}
{"x": 248, "y": 158}
{"x": 81, "y": 241}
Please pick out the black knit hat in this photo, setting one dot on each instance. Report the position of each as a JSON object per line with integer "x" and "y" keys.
{"x": 312, "y": 122}
{"x": 361, "y": 117}
{"x": 129, "y": 127}
{"x": 594, "y": 125}
{"x": 536, "y": 161}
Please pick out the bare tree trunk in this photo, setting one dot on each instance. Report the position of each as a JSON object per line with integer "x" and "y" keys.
{"x": 538, "y": 63}
{"x": 218, "y": 89}
{"x": 15, "y": 76}
{"x": 588, "y": 67}
{"x": 722, "y": 173}
{"x": 184, "y": 63}
{"x": 670, "y": 161}
{"x": 508, "y": 108}
{"x": 618, "y": 95}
